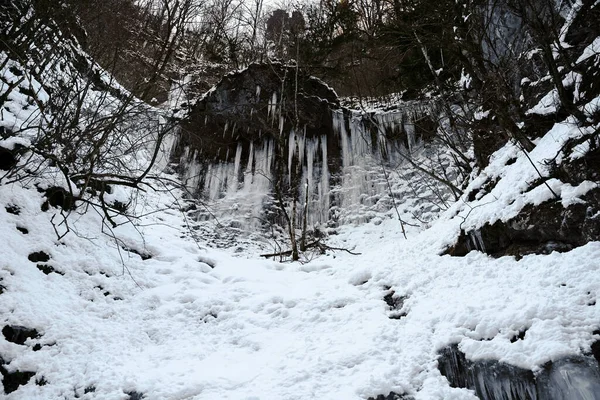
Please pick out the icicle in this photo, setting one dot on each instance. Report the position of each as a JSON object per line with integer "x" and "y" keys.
{"x": 291, "y": 153}
{"x": 281, "y": 121}
{"x": 477, "y": 240}
{"x": 272, "y": 108}
{"x": 248, "y": 174}
{"x": 233, "y": 183}
{"x": 409, "y": 128}
{"x": 324, "y": 183}
{"x": 301, "y": 147}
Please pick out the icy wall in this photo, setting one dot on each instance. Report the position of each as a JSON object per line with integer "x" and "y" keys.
{"x": 574, "y": 378}
{"x": 256, "y": 143}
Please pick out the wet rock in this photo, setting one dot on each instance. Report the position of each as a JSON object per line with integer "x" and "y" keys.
{"x": 24, "y": 231}
{"x": 8, "y": 159}
{"x": 241, "y": 108}
{"x": 133, "y": 395}
{"x": 573, "y": 378}
{"x": 19, "y": 334}
{"x": 391, "y": 396}
{"x": 41, "y": 381}
{"x": 538, "y": 229}
{"x": 38, "y": 256}
{"x": 596, "y": 347}
{"x": 13, "y": 209}
{"x": 58, "y": 197}
{"x": 519, "y": 336}
{"x": 143, "y": 255}
{"x": 12, "y": 380}
{"x": 395, "y": 303}
{"x": 48, "y": 269}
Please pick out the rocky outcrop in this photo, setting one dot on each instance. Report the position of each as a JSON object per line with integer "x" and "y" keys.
{"x": 574, "y": 378}
{"x": 537, "y": 230}
{"x": 260, "y": 102}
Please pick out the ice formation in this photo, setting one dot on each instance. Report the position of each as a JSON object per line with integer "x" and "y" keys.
{"x": 343, "y": 169}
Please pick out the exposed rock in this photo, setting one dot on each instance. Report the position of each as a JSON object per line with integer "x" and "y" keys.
{"x": 596, "y": 347}
{"x": 8, "y": 160}
{"x": 585, "y": 166}
{"x": 485, "y": 143}
{"x": 584, "y": 28}
{"x": 247, "y": 106}
{"x": 133, "y": 395}
{"x": 58, "y": 197}
{"x": 12, "y": 380}
{"x": 19, "y": 334}
{"x": 48, "y": 269}
{"x": 537, "y": 230}
{"x": 41, "y": 381}
{"x": 13, "y": 209}
{"x": 519, "y": 336}
{"x": 395, "y": 303}
{"x": 574, "y": 378}
{"x": 5, "y": 132}
{"x": 391, "y": 396}
{"x": 38, "y": 256}
{"x": 143, "y": 254}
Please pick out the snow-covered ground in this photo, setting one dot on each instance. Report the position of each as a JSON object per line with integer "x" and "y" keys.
{"x": 196, "y": 323}
{"x": 149, "y": 308}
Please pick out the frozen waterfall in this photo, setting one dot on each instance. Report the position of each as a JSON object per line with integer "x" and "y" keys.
{"x": 325, "y": 172}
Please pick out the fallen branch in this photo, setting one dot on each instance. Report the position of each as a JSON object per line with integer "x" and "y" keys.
{"x": 322, "y": 247}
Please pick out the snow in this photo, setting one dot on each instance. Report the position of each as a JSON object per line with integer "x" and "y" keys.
{"x": 198, "y": 323}
{"x": 547, "y": 105}
{"x": 512, "y": 190}
{"x": 592, "y": 50}
{"x": 188, "y": 321}
{"x": 251, "y": 328}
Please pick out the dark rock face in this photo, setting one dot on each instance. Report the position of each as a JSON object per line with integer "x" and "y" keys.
{"x": 247, "y": 106}
{"x": 19, "y": 334}
{"x": 13, "y": 209}
{"x": 8, "y": 160}
{"x": 12, "y": 380}
{"x": 485, "y": 143}
{"x": 537, "y": 229}
{"x": 396, "y": 304}
{"x": 575, "y": 378}
{"x": 48, "y": 269}
{"x": 586, "y": 167}
{"x": 58, "y": 197}
{"x": 38, "y": 256}
{"x": 133, "y": 395}
{"x": 596, "y": 347}
{"x": 392, "y": 396}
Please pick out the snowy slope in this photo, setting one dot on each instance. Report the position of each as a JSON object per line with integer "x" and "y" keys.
{"x": 145, "y": 309}
{"x": 188, "y": 322}
{"x": 195, "y": 323}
